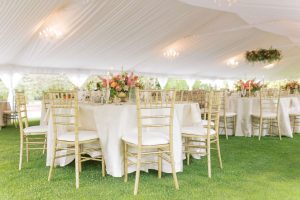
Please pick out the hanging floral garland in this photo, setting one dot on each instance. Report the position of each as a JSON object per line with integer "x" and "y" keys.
{"x": 263, "y": 55}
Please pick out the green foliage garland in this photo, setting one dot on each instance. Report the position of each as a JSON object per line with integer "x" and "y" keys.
{"x": 263, "y": 55}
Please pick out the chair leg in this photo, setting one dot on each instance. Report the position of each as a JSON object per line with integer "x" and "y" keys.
{"x": 53, "y": 161}
{"x": 77, "y": 164}
{"x": 79, "y": 158}
{"x": 260, "y": 128}
{"x": 208, "y": 157}
{"x": 219, "y": 152}
{"x": 252, "y": 127}
{"x": 45, "y": 142}
{"x": 125, "y": 163}
{"x": 137, "y": 175}
{"x": 21, "y": 151}
{"x": 234, "y": 125}
{"x": 27, "y": 149}
{"x": 103, "y": 166}
{"x": 159, "y": 157}
{"x": 225, "y": 127}
{"x": 188, "y": 155}
{"x": 278, "y": 127}
{"x": 174, "y": 171}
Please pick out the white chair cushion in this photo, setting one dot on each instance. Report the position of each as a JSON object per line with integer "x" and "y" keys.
{"x": 35, "y": 130}
{"x": 205, "y": 123}
{"x": 196, "y": 130}
{"x": 265, "y": 115}
{"x": 294, "y": 112}
{"x": 83, "y": 135}
{"x": 230, "y": 114}
{"x": 148, "y": 138}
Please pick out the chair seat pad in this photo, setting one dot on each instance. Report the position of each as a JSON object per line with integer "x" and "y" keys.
{"x": 35, "y": 130}
{"x": 230, "y": 114}
{"x": 9, "y": 112}
{"x": 265, "y": 115}
{"x": 196, "y": 130}
{"x": 83, "y": 135}
{"x": 294, "y": 112}
{"x": 148, "y": 138}
{"x": 205, "y": 122}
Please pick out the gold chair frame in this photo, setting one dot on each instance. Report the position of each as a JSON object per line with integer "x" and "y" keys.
{"x": 195, "y": 142}
{"x": 31, "y": 142}
{"x": 269, "y": 99}
{"x": 151, "y": 100}
{"x": 69, "y": 100}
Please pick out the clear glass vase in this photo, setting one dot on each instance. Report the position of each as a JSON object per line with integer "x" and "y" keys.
{"x": 131, "y": 97}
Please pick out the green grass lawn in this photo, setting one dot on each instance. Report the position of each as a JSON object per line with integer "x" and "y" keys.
{"x": 269, "y": 169}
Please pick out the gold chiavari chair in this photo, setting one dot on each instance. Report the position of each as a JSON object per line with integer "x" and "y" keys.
{"x": 268, "y": 116}
{"x": 68, "y": 137}
{"x": 186, "y": 96}
{"x": 179, "y": 96}
{"x": 227, "y": 119}
{"x": 11, "y": 114}
{"x": 195, "y": 95}
{"x": 46, "y": 100}
{"x": 31, "y": 137}
{"x": 155, "y": 115}
{"x": 294, "y": 120}
{"x": 198, "y": 140}
{"x": 203, "y": 103}
{"x": 294, "y": 115}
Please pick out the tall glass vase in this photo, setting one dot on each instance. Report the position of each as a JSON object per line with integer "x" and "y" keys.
{"x": 131, "y": 96}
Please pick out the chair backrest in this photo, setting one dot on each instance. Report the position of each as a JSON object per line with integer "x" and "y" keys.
{"x": 224, "y": 102}
{"x": 64, "y": 111}
{"x": 46, "y": 100}
{"x": 178, "y": 97}
{"x": 21, "y": 110}
{"x": 213, "y": 114}
{"x": 203, "y": 102}
{"x": 155, "y": 109}
{"x": 195, "y": 95}
{"x": 269, "y": 101}
{"x": 186, "y": 96}
{"x": 284, "y": 93}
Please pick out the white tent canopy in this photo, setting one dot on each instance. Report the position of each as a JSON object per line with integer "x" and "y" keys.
{"x": 105, "y": 35}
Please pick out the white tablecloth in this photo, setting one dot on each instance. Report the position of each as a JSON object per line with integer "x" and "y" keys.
{"x": 113, "y": 121}
{"x": 244, "y": 107}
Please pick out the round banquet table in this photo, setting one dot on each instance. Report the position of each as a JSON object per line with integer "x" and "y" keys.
{"x": 244, "y": 107}
{"x": 113, "y": 121}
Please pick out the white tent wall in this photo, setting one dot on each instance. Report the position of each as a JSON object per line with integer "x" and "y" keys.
{"x": 99, "y": 35}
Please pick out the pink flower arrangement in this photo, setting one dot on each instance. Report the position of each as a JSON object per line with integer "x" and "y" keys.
{"x": 249, "y": 85}
{"x": 121, "y": 83}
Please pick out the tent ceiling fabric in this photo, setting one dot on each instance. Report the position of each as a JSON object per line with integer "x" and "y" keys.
{"x": 108, "y": 34}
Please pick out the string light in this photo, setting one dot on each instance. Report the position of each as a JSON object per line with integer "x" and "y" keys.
{"x": 51, "y": 32}
{"x": 171, "y": 53}
{"x": 232, "y": 63}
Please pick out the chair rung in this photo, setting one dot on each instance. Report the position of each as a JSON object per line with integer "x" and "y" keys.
{"x": 155, "y": 116}
{"x": 63, "y": 115}
{"x": 34, "y": 142}
{"x": 36, "y": 148}
{"x": 62, "y": 156}
{"x": 155, "y": 125}
{"x": 64, "y": 124}
{"x": 155, "y": 107}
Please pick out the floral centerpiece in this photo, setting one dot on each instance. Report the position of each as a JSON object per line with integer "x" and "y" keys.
{"x": 292, "y": 86}
{"x": 120, "y": 84}
{"x": 263, "y": 55}
{"x": 250, "y": 86}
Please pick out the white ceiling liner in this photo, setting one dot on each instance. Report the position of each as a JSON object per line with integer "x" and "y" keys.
{"x": 102, "y": 35}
